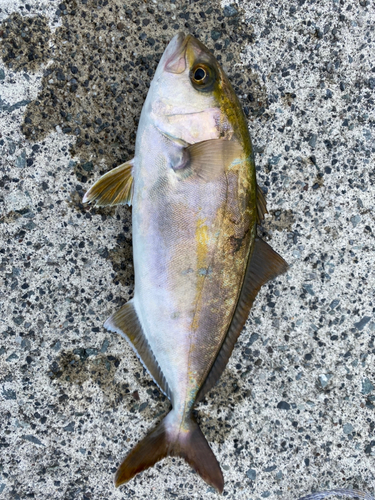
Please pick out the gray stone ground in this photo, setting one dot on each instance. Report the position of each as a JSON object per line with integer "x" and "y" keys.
{"x": 295, "y": 409}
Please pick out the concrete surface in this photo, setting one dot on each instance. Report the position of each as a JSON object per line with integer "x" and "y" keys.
{"x": 295, "y": 410}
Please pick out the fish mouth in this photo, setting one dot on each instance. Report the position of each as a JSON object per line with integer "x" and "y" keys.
{"x": 175, "y": 54}
{"x": 182, "y": 51}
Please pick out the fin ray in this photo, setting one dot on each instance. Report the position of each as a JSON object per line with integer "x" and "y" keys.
{"x": 209, "y": 159}
{"x": 261, "y": 205}
{"x": 125, "y": 322}
{"x": 264, "y": 264}
{"x": 113, "y": 188}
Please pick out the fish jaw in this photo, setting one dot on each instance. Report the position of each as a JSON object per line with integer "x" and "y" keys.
{"x": 174, "y": 50}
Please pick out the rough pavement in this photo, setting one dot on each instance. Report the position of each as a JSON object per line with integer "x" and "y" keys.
{"x": 295, "y": 409}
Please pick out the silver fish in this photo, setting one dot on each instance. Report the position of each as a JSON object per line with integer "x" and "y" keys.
{"x": 198, "y": 263}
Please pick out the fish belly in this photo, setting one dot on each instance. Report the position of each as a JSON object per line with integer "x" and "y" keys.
{"x": 191, "y": 241}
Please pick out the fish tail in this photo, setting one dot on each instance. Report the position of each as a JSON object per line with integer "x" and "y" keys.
{"x": 184, "y": 440}
{"x": 145, "y": 454}
{"x": 192, "y": 446}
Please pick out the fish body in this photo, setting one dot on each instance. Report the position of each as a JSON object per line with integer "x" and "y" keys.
{"x": 198, "y": 263}
{"x": 190, "y": 235}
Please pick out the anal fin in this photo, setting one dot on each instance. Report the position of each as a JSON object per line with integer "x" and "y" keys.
{"x": 125, "y": 321}
{"x": 113, "y": 188}
{"x": 264, "y": 264}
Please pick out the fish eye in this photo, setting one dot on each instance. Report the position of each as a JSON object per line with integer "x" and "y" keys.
{"x": 199, "y": 74}
{"x": 202, "y": 77}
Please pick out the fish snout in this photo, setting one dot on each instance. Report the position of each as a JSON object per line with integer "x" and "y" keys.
{"x": 182, "y": 51}
{"x": 175, "y": 54}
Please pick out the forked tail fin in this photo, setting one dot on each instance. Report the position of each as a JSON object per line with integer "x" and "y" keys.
{"x": 168, "y": 439}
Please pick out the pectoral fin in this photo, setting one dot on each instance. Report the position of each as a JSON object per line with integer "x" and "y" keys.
{"x": 264, "y": 264}
{"x": 113, "y": 188}
{"x": 125, "y": 322}
{"x": 209, "y": 159}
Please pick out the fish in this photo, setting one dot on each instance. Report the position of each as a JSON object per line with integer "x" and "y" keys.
{"x": 198, "y": 262}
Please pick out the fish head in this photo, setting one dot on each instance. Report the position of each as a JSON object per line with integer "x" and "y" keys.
{"x": 190, "y": 98}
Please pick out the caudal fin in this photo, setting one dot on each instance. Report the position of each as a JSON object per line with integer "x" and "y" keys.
{"x": 167, "y": 439}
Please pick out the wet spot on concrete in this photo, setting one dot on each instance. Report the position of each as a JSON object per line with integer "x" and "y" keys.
{"x": 279, "y": 220}
{"x": 121, "y": 256}
{"x": 84, "y": 171}
{"x": 80, "y": 365}
{"x": 24, "y": 42}
{"x": 229, "y": 392}
{"x": 255, "y": 100}
{"x": 9, "y": 217}
{"x": 215, "y": 430}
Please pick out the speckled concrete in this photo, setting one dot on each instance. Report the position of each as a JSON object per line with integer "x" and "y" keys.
{"x": 295, "y": 409}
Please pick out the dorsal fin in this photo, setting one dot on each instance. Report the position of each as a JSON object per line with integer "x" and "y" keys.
{"x": 264, "y": 264}
{"x": 125, "y": 322}
{"x": 261, "y": 205}
{"x": 113, "y": 188}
